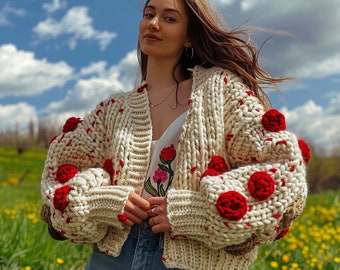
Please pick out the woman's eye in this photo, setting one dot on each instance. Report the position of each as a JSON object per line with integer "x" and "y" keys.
{"x": 170, "y": 19}
{"x": 148, "y": 15}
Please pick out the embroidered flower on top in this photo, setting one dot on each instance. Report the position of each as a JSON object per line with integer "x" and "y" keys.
{"x": 163, "y": 175}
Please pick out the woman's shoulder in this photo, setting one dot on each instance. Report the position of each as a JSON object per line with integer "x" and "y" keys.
{"x": 203, "y": 74}
{"x": 125, "y": 96}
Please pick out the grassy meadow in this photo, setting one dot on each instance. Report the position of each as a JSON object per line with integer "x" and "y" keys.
{"x": 312, "y": 243}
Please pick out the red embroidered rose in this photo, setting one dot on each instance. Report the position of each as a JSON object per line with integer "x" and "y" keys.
{"x": 160, "y": 175}
{"x": 71, "y": 124}
{"x": 273, "y": 120}
{"x": 168, "y": 154}
{"x": 65, "y": 172}
{"x": 218, "y": 164}
{"x": 232, "y": 205}
{"x": 108, "y": 167}
{"x": 60, "y": 201}
{"x": 261, "y": 185}
{"x": 282, "y": 234}
{"x": 210, "y": 172}
{"x": 305, "y": 150}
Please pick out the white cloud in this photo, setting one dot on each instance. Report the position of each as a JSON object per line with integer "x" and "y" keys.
{"x": 316, "y": 125}
{"x": 224, "y": 2}
{"x": 310, "y": 47}
{"x": 88, "y": 92}
{"x": 77, "y": 25}
{"x": 94, "y": 68}
{"x": 54, "y": 6}
{"x": 8, "y": 10}
{"x": 334, "y": 108}
{"x": 24, "y": 75}
{"x": 17, "y": 116}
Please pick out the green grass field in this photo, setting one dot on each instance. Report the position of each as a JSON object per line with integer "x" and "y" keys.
{"x": 313, "y": 242}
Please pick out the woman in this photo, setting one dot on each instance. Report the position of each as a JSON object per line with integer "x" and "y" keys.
{"x": 190, "y": 170}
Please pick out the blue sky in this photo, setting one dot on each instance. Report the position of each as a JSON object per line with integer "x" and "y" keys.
{"x": 60, "y": 58}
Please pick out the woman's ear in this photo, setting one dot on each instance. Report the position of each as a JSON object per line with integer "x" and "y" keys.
{"x": 188, "y": 44}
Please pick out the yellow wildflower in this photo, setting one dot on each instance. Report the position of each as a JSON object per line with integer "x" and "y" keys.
{"x": 274, "y": 264}
{"x": 60, "y": 261}
{"x": 285, "y": 258}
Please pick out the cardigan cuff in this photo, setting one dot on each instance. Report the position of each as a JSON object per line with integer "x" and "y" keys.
{"x": 107, "y": 203}
{"x": 186, "y": 213}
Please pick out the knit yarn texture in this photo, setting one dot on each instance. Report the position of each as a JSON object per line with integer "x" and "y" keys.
{"x": 239, "y": 182}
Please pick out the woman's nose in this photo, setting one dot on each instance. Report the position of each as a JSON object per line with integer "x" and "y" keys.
{"x": 153, "y": 24}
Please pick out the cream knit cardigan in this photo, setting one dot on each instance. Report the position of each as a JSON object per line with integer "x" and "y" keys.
{"x": 223, "y": 119}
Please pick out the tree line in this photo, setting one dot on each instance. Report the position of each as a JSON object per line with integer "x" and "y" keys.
{"x": 36, "y": 135}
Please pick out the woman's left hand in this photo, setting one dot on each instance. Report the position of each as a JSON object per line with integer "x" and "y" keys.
{"x": 158, "y": 215}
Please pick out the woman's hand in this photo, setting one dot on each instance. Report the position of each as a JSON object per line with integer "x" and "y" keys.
{"x": 136, "y": 209}
{"x": 158, "y": 215}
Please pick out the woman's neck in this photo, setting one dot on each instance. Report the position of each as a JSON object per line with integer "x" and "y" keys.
{"x": 160, "y": 74}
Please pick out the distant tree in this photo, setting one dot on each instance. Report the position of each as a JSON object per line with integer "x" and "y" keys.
{"x": 46, "y": 130}
{"x": 31, "y": 130}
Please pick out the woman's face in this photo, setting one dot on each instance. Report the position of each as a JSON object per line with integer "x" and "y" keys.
{"x": 163, "y": 29}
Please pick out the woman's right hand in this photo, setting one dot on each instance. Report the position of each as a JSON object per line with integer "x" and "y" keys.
{"x": 136, "y": 209}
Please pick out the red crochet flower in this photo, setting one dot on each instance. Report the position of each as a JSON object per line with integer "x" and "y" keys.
{"x": 305, "y": 150}
{"x": 232, "y": 205}
{"x": 168, "y": 154}
{"x": 108, "y": 167}
{"x": 60, "y": 201}
{"x": 282, "y": 234}
{"x": 210, "y": 172}
{"x": 273, "y": 120}
{"x": 65, "y": 172}
{"x": 218, "y": 164}
{"x": 261, "y": 186}
{"x": 71, "y": 124}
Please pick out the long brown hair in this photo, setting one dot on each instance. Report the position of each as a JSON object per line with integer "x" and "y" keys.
{"x": 216, "y": 45}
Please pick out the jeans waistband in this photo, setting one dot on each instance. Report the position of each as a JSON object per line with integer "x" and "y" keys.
{"x": 143, "y": 230}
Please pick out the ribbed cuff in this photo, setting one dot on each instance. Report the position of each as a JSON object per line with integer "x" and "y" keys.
{"x": 187, "y": 213}
{"x": 107, "y": 202}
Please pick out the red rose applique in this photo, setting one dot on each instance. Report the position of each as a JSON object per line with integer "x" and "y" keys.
{"x": 273, "y": 120}
{"x": 168, "y": 154}
{"x": 71, "y": 124}
{"x": 232, "y": 205}
{"x": 108, "y": 167}
{"x": 261, "y": 186}
{"x": 60, "y": 201}
{"x": 305, "y": 150}
{"x": 65, "y": 172}
{"x": 218, "y": 164}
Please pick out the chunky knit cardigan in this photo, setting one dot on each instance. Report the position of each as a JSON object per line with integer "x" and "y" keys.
{"x": 239, "y": 180}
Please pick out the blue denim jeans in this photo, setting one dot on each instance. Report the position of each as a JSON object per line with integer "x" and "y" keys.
{"x": 142, "y": 250}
